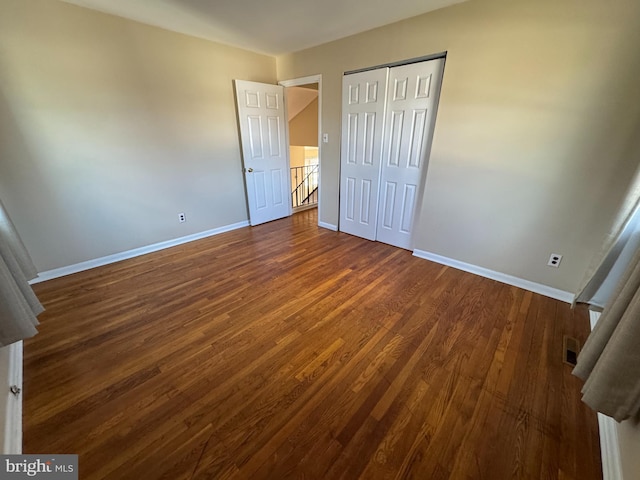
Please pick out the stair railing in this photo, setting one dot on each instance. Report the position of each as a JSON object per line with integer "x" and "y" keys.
{"x": 305, "y": 180}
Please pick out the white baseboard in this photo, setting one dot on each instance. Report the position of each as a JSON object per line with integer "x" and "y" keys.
{"x": 500, "y": 277}
{"x": 609, "y": 443}
{"x": 136, "y": 252}
{"x": 609, "y": 448}
{"x": 12, "y": 443}
{"x": 328, "y": 226}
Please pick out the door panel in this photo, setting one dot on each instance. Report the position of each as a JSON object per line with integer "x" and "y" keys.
{"x": 350, "y": 199}
{"x": 408, "y": 202}
{"x": 275, "y": 137}
{"x": 387, "y": 205}
{"x": 409, "y": 111}
{"x": 362, "y": 127}
{"x": 417, "y": 138}
{"x": 276, "y": 180}
{"x": 365, "y": 201}
{"x": 260, "y": 186}
{"x": 261, "y": 116}
{"x": 395, "y": 138}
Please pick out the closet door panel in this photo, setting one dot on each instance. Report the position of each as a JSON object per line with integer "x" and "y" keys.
{"x": 410, "y": 106}
{"x": 363, "y": 104}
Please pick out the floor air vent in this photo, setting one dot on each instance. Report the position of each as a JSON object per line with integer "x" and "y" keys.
{"x": 570, "y": 350}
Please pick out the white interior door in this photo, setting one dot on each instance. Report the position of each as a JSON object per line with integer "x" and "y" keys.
{"x": 363, "y": 103}
{"x": 411, "y": 100}
{"x": 265, "y": 154}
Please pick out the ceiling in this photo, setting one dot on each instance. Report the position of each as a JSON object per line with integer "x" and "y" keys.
{"x": 267, "y": 26}
{"x": 298, "y": 98}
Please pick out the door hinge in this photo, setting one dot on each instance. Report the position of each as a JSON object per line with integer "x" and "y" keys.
{"x": 15, "y": 390}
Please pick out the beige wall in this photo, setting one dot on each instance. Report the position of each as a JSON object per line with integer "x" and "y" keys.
{"x": 296, "y": 156}
{"x": 109, "y": 129}
{"x": 303, "y": 128}
{"x": 531, "y": 151}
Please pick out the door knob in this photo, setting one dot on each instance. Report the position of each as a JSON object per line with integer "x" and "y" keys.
{"x": 249, "y": 170}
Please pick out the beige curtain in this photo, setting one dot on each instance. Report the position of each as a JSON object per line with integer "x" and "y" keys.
{"x": 19, "y": 306}
{"x": 610, "y": 360}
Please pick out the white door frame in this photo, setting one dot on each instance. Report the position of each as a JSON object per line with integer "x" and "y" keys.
{"x": 296, "y": 82}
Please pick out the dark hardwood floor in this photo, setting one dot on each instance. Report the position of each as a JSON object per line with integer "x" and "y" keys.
{"x": 290, "y": 351}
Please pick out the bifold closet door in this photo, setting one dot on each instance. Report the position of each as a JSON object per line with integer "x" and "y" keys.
{"x": 410, "y": 107}
{"x": 363, "y": 103}
{"x": 387, "y": 123}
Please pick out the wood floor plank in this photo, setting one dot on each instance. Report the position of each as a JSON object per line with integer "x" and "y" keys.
{"x": 291, "y": 351}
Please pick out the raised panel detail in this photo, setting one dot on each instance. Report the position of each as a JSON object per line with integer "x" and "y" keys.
{"x": 354, "y": 94}
{"x": 352, "y": 138}
{"x": 252, "y": 99}
{"x": 351, "y": 198}
{"x": 372, "y": 92}
{"x": 423, "y": 85}
{"x": 365, "y": 200}
{"x": 400, "y": 89}
{"x": 255, "y": 136}
{"x": 273, "y": 126}
{"x": 272, "y": 101}
{"x": 369, "y": 137}
{"x": 389, "y": 201}
{"x": 260, "y": 188}
{"x": 276, "y": 186}
{"x": 417, "y": 138}
{"x": 408, "y": 201}
{"x": 395, "y": 138}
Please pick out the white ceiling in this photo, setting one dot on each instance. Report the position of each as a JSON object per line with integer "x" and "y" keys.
{"x": 267, "y": 26}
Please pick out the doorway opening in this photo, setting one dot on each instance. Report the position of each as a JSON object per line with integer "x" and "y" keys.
{"x": 303, "y": 97}
{"x": 273, "y": 189}
{"x": 302, "y": 111}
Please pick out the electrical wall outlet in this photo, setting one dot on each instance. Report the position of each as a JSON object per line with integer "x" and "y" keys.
{"x": 182, "y": 217}
{"x": 554, "y": 260}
